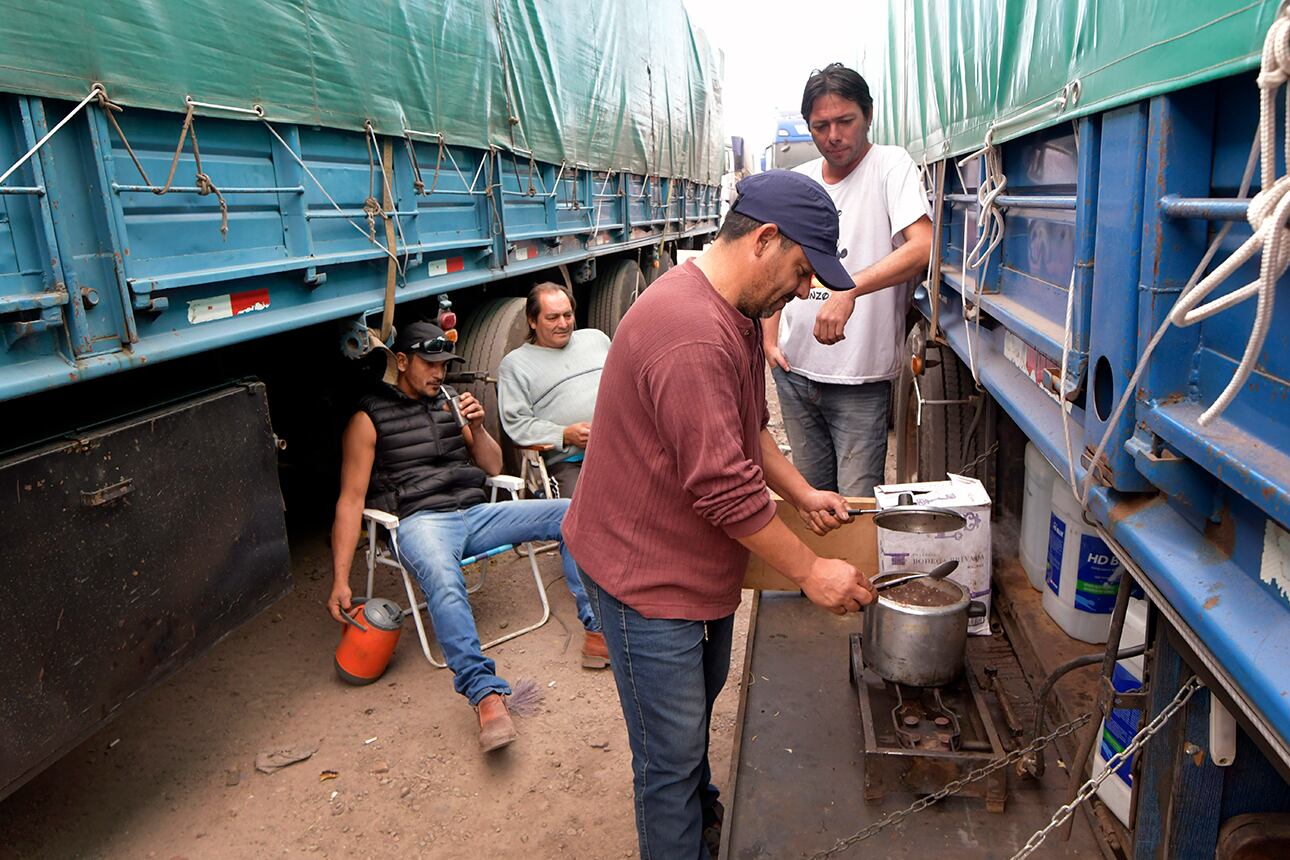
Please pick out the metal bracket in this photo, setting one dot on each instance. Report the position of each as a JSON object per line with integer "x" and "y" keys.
{"x": 1176, "y": 476}
{"x": 918, "y": 395}
{"x": 148, "y": 304}
{"x": 16, "y": 330}
{"x": 1131, "y": 700}
{"x": 104, "y": 495}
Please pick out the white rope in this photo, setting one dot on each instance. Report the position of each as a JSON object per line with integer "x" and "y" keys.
{"x": 994, "y": 182}
{"x": 990, "y": 225}
{"x": 93, "y": 94}
{"x": 990, "y": 218}
{"x": 1268, "y": 213}
{"x": 596, "y": 197}
{"x": 1067, "y": 337}
{"x": 273, "y": 131}
{"x": 1062, "y": 402}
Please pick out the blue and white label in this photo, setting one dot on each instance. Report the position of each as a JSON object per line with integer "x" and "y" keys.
{"x": 1056, "y": 543}
{"x": 1121, "y": 725}
{"x": 1096, "y": 583}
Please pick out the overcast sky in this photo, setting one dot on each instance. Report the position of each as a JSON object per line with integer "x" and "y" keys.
{"x": 771, "y": 47}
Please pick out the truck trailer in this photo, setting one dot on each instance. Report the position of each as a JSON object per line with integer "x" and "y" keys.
{"x": 1102, "y": 287}
{"x": 212, "y": 217}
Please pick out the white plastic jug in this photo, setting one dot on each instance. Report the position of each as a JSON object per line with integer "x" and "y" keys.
{"x": 1036, "y": 510}
{"x": 1118, "y": 729}
{"x": 1082, "y": 575}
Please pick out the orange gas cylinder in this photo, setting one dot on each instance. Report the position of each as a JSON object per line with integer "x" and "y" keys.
{"x": 368, "y": 639}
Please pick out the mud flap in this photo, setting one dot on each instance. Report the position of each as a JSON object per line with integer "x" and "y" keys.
{"x": 130, "y": 549}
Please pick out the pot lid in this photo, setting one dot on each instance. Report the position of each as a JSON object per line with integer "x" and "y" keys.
{"x": 914, "y": 519}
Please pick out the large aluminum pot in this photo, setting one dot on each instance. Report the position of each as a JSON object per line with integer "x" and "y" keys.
{"x": 916, "y": 633}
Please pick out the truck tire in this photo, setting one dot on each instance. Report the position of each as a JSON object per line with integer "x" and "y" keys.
{"x": 928, "y": 450}
{"x": 653, "y": 273}
{"x": 494, "y": 329}
{"x": 615, "y": 288}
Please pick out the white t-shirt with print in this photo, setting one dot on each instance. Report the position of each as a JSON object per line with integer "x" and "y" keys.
{"x": 876, "y": 201}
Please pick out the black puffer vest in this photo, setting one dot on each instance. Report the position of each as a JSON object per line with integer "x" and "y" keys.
{"x": 422, "y": 463}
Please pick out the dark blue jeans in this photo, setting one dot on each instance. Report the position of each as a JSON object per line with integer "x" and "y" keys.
{"x": 668, "y": 673}
{"x": 838, "y": 433}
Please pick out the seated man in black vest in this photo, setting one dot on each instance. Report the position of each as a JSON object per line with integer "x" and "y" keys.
{"x": 404, "y": 452}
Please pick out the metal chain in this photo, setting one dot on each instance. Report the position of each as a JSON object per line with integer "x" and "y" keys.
{"x": 967, "y": 469}
{"x": 954, "y": 787}
{"x": 1087, "y": 790}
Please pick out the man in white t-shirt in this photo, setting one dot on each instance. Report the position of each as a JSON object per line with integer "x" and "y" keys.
{"x": 835, "y": 354}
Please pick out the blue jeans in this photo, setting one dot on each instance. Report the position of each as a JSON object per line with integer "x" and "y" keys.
{"x": 668, "y": 674}
{"x": 838, "y": 432}
{"x": 431, "y": 547}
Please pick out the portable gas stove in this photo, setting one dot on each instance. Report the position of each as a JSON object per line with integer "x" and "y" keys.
{"x": 917, "y": 739}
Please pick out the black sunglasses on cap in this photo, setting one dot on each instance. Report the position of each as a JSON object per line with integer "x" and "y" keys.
{"x": 433, "y": 346}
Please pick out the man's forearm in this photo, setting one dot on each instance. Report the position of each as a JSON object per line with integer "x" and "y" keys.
{"x": 774, "y": 544}
{"x": 898, "y": 267}
{"x": 770, "y": 328}
{"x": 484, "y": 450}
{"x": 781, "y": 475}
{"x": 345, "y": 531}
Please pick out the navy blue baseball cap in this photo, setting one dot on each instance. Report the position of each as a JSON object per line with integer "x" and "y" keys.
{"x": 803, "y": 211}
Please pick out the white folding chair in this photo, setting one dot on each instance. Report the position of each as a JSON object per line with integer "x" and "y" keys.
{"x": 387, "y": 553}
{"x": 533, "y": 471}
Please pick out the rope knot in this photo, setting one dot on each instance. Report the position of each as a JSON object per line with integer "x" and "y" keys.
{"x": 1265, "y": 203}
{"x": 372, "y": 208}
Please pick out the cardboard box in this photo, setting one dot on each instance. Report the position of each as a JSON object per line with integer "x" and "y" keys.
{"x": 855, "y": 542}
{"x": 899, "y": 552}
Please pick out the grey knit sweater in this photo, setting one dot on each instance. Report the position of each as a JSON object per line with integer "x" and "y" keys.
{"x": 542, "y": 390}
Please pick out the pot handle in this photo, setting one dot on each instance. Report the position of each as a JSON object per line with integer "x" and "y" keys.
{"x": 976, "y": 609}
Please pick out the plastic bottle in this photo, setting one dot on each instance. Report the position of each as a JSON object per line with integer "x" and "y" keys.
{"x": 1081, "y": 573}
{"x": 1036, "y": 510}
{"x": 1118, "y": 729}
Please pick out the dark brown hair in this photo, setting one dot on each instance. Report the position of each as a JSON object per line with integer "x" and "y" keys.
{"x": 838, "y": 80}
{"x": 533, "y": 304}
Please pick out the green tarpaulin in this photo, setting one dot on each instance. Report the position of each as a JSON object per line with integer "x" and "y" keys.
{"x": 949, "y": 68}
{"x": 611, "y": 83}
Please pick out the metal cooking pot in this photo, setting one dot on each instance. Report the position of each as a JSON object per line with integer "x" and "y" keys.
{"x": 919, "y": 645}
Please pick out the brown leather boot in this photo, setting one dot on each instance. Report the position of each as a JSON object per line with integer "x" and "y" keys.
{"x": 595, "y": 655}
{"x": 495, "y": 727}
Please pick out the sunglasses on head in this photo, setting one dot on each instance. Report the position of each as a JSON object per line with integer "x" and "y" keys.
{"x": 436, "y": 345}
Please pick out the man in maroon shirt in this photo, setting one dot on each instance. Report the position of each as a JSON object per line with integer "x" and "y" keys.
{"x": 673, "y": 494}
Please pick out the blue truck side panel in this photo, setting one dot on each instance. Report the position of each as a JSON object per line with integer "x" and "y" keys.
{"x": 98, "y": 274}
{"x": 1121, "y": 207}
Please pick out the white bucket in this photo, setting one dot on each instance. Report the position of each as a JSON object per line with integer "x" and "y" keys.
{"x": 1036, "y": 510}
{"x": 1081, "y": 573}
{"x": 1118, "y": 729}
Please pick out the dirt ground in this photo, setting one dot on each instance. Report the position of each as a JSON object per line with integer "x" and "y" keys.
{"x": 156, "y": 782}
{"x": 174, "y": 775}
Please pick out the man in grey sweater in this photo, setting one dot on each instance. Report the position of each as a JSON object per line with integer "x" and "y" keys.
{"x": 547, "y": 387}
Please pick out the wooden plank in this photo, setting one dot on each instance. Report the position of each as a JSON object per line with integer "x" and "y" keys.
{"x": 855, "y": 542}
{"x": 736, "y": 751}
